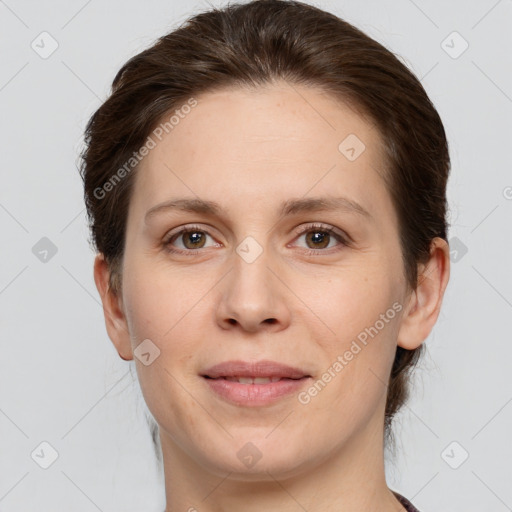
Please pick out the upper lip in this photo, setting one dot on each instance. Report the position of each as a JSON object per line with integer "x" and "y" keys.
{"x": 265, "y": 368}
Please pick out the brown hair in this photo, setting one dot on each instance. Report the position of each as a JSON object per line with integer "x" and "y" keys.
{"x": 254, "y": 44}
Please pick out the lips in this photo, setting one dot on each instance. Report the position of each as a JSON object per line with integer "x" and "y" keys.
{"x": 252, "y": 380}
{"x": 254, "y": 384}
{"x": 271, "y": 371}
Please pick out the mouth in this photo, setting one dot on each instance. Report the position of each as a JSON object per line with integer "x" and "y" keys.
{"x": 254, "y": 383}
{"x": 254, "y": 370}
{"x": 251, "y": 380}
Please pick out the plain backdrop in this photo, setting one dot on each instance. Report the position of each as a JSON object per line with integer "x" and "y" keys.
{"x": 61, "y": 381}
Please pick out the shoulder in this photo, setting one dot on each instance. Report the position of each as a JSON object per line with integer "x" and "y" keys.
{"x": 406, "y": 503}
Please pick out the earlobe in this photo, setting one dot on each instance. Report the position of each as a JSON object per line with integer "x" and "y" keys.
{"x": 425, "y": 302}
{"x": 113, "y": 310}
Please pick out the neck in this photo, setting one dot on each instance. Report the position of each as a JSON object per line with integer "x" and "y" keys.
{"x": 351, "y": 479}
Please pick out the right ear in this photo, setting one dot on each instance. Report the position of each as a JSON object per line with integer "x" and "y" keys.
{"x": 115, "y": 319}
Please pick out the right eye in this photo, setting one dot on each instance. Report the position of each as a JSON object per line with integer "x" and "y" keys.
{"x": 192, "y": 238}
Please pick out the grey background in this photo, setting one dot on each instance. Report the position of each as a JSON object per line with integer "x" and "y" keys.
{"x": 62, "y": 382}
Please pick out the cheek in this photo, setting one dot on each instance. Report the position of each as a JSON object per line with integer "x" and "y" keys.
{"x": 159, "y": 301}
{"x": 350, "y": 301}
{"x": 364, "y": 311}
{"x": 159, "y": 313}
{"x": 362, "y": 308}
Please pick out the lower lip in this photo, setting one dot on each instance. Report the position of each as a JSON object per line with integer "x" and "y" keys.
{"x": 255, "y": 395}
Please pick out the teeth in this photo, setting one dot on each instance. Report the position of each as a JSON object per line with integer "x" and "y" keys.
{"x": 262, "y": 380}
{"x": 250, "y": 380}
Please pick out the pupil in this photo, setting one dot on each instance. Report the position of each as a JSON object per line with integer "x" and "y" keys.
{"x": 194, "y": 237}
{"x": 319, "y": 236}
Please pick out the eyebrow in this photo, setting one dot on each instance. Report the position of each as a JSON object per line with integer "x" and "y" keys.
{"x": 289, "y": 207}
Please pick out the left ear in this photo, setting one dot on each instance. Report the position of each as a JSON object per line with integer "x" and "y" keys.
{"x": 424, "y": 304}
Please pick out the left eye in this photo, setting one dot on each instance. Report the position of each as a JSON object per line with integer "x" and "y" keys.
{"x": 320, "y": 238}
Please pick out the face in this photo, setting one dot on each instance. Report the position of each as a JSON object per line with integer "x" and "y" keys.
{"x": 263, "y": 278}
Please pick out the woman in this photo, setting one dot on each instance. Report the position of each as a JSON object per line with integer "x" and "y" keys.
{"x": 266, "y": 190}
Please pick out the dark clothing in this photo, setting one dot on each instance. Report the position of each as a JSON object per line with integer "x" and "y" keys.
{"x": 406, "y": 503}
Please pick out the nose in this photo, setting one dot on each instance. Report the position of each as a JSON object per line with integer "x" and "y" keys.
{"x": 252, "y": 298}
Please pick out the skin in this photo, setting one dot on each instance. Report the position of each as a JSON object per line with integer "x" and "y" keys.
{"x": 250, "y": 150}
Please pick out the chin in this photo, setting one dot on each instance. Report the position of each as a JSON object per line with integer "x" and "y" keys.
{"x": 260, "y": 459}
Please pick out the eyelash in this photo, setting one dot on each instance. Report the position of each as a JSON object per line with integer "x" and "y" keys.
{"x": 314, "y": 227}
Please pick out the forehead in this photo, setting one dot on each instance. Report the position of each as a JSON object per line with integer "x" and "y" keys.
{"x": 263, "y": 144}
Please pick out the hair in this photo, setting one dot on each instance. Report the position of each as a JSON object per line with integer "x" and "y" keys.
{"x": 253, "y": 45}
